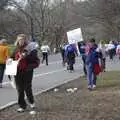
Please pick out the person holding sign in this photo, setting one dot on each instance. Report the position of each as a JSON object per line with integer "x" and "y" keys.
{"x": 4, "y": 55}
{"x": 27, "y": 58}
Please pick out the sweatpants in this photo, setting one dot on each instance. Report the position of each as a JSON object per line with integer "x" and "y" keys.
{"x": 24, "y": 86}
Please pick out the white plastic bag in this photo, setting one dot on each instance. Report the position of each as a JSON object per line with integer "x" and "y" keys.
{"x": 11, "y": 67}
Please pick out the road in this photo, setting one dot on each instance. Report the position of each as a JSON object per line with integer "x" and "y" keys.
{"x": 46, "y": 77}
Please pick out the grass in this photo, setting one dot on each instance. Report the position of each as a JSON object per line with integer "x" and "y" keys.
{"x": 109, "y": 79}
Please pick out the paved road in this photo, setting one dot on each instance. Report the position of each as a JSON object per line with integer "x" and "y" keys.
{"x": 46, "y": 77}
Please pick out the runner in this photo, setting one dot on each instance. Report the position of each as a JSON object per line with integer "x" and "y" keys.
{"x": 45, "y": 49}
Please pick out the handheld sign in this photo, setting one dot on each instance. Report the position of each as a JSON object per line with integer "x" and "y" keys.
{"x": 74, "y": 36}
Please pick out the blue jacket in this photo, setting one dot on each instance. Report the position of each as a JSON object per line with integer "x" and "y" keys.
{"x": 92, "y": 57}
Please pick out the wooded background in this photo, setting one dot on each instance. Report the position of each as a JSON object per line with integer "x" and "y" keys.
{"x": 49, "y": 20}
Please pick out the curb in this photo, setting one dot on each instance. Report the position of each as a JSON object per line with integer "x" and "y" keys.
{"x": 42, "y": 91}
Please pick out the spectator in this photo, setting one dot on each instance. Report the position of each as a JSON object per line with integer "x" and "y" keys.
{"x": 26, "y": 54}
{"x": 92, "y": 62}
{"x": 102, "y": 49}
{"x": 4, "y": 55}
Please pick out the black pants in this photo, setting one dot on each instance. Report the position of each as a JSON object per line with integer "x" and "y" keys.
{"x": 63, "y": 58}
{"x": 24, "y": 86}
{"x": 71, "y": 67}
{"x": 45, "y": 57}
{"x": 103, "y": 64}
{"x": 84, "y": 64}
{"x": 2, "y": 69}
{"x": 111, "y": 54}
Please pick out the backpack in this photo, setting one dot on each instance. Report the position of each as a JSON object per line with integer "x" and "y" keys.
{"x": 34, "y": 60}
{"x": 70, "y": 52}
{"x": 70, "y": 49}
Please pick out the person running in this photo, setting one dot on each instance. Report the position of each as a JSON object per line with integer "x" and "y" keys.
{"x": 111, "y": 49}
{"x": 26, "y": 54}
{"x": 92, "y": 62}
{"x": 45, "y": 49}
{"x": 4, "y": 55}
{"x": 82, "y": 49}
{"x": 70, "y": 53}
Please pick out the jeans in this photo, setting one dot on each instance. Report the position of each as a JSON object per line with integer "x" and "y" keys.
{"x": 2, "y": 69}
{"x": 91, "y": 75}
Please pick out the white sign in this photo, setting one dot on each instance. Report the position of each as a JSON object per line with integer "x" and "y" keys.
{"x": 11, "y": 68}
{"x": 74, "y": 36}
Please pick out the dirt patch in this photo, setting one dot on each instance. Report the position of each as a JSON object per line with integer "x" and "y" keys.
{"x": 100, "y": 104}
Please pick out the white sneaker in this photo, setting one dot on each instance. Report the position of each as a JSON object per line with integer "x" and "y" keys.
{"x": 89, "y": 86}
{"x": 94, "y": 86}
{"x": 32, "y": 105}
{"x": 20, "y": 110}
{"x": 32, "y": 112}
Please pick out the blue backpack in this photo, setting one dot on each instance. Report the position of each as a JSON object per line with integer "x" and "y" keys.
{"x": 70, "y": 49}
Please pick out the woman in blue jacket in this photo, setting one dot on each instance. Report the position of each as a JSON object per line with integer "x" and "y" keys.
{"x": 92, "y": 61}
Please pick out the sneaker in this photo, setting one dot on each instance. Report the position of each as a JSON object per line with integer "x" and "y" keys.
{"x": 20, "y": 110}
{"x": 32, "y": 105}
{"x": 90, "y": 89}
{"x": 89, "y": 86}
{"x": 32, "y": 112}
{"x": 94, "y": 86}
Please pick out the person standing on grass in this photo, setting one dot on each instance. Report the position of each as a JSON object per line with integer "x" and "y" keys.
{"x": 92, "y": 62}
{"x": 4, "y": 55}
{"x": 26, "y": 54}
{"x": 45, "y": 50}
